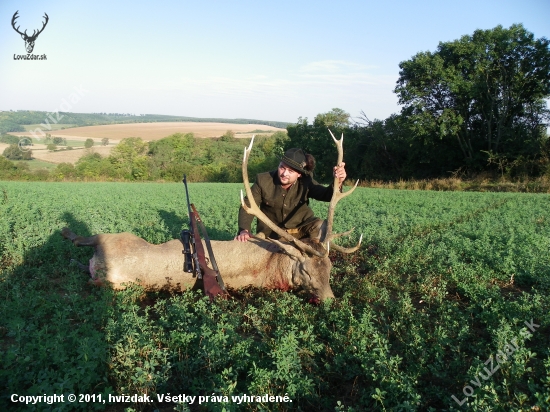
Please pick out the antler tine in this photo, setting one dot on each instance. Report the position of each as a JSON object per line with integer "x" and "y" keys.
{"x": 348, "y": 249}
{"x": 46, "y": 22}
{"x": 15, "y": 17}
{"x": 337, "y": 235}
{"x": 340, "y": 146}
{"x": 43, "y": 26}
{"x": 336, "y": 195}
{"x": 253, "y": 209}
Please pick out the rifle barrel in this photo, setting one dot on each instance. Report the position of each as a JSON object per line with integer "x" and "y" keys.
{"x": 192, "y": 225}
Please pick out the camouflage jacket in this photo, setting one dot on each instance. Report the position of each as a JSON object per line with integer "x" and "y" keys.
{"x": 288, "y": 209}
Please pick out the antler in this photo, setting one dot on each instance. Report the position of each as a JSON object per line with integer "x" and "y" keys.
{"x": 253, "y": 209}
{"x": 44, "y": 24}
{"x": 34, "y": 33}
{"x": 336, "y": 197}
{"x": 34, "y": 36}
{"x": 15, "y": 16}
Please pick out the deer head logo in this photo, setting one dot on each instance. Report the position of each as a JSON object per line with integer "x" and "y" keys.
{"x": 29, "y": 40}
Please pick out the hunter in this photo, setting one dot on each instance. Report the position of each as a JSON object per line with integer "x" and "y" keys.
{"x": 283, "y": 195}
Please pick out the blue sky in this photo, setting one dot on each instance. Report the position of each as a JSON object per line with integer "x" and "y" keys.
{"x": 269, "y": 60}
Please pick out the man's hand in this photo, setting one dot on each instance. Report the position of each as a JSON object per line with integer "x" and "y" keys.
{"x": 243, "y": 236}
{"x": 340, "y": 172}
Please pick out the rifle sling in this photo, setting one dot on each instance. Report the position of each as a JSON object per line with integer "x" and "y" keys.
{"x": 209, "y": 247}
{"x": 211, "y": 287}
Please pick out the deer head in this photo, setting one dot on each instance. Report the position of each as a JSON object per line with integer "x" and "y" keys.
{"x": 29, "y": 40}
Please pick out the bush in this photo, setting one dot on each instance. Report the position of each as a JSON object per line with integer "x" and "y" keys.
{"x": 12, "y": 170}
{"x": 14, "y": 152}
{"x": 63, "y": 171}
{"x": 7, "y": 126}
{"x": 8, "y": 138}
{"x": 88, "y": 143}
{"x": 60, "y": 141}
{"x": 5, "y": 164}
{"x": 228, "y": 136}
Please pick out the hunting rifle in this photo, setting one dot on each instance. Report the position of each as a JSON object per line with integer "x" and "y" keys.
{"x": 195, "y": 260}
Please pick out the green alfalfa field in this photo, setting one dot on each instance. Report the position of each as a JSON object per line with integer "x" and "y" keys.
{"x": 444, "y": 307}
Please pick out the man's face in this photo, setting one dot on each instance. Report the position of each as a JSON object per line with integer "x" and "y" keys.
{"x": 287, "y": 175}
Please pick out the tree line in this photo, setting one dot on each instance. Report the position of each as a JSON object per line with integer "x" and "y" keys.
{"x": 167, "y": 159}
{"x": 475, "y": 104}
{"x": 14, "y": 121}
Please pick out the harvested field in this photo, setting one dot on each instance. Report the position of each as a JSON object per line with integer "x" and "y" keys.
{"x": 40, "y": 152}
{"x": 156, "y": 131}
{"x": 3, "y": 146}
{"x": 147, "y": 131}
{"x": 68, "y": 156}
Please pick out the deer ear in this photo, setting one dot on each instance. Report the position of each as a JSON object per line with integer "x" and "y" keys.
{"x": 23, "y": 36}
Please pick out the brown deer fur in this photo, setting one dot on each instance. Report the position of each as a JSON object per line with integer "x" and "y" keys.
{"x": 123, "y": 257}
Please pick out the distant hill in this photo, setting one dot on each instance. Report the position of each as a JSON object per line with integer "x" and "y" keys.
{"x": 13, "y": 121}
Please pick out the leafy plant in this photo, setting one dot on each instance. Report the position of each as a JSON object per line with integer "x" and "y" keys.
{"x": 443, "y": 282}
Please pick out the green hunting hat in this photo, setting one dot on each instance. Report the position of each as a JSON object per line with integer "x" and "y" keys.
{"x": 296, "y": 159}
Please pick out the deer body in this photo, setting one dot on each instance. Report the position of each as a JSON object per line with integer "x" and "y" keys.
{"x": 123, "y": 257}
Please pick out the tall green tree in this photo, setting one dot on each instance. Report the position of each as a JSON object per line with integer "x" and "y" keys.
{"x": 336, "y": 118}
{"x": 485, "y": 92}
{"x": 130, "y": 157}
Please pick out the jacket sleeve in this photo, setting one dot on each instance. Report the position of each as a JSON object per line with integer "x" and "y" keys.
{"x": 245, "y": 220}
{"x": 320, "y": 192}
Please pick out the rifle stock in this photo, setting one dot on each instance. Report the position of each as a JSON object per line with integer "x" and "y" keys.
{"x": 202, "y": 271}
{"x": 210, "y": 282}
{"x": 213, "y": 262}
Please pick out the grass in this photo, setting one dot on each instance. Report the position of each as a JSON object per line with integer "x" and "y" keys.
{"x": 76, "y": 143}
{"x": 478, "y": 184}
{"x": 52, "y": 126}
{"x": 37, "y": 164}
{"x": 443, "y": 282}
{"x": 70, "y": 142}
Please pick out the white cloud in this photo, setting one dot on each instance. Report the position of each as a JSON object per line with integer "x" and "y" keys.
{"x": 333, "y": 66}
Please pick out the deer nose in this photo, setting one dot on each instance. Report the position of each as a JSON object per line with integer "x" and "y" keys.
{"x": 314, "y": 300}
